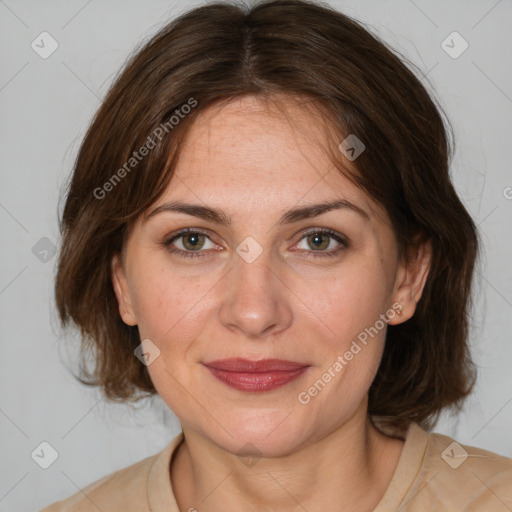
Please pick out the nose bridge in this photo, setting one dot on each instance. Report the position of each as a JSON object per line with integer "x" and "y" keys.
{"x": 254, "y": 301}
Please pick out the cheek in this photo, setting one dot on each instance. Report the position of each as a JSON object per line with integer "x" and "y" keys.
{"x": 165, "y": 302}
{"x": 347, "y": 311}
{"x": 171, "y": 314}
{"x": 344, "y": 303}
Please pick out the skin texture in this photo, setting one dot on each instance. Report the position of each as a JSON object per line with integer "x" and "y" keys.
{"x": 254, "y": 163}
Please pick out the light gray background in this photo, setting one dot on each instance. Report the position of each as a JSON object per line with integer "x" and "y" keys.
{"x": 46, "y": 105}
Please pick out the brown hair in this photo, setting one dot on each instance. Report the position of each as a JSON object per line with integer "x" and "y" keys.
{"x": 304, "y": 49}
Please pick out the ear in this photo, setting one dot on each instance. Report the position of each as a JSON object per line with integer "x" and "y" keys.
{"x": 410, "y": 281}
{"x": 122, "y": 291}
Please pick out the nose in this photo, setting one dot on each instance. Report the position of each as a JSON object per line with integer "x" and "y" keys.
{"x": 255, "y": 301}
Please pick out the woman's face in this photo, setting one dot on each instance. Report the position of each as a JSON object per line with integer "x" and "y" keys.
{"x": 261, "y": 288}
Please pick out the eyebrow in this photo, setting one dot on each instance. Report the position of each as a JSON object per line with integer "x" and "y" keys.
{"x": 220, "y": 217}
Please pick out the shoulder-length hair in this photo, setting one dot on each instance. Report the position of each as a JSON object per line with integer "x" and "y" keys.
{"x": 303, "y": 49}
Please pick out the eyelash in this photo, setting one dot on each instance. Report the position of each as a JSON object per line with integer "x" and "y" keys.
{"x": 201, "y": 254}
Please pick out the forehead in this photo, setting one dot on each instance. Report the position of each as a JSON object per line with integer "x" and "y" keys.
{"x": 257, "y": 154}
{"x": 266, "y": 139}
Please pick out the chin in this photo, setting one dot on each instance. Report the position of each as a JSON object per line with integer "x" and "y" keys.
{"x": 274, "y": 434}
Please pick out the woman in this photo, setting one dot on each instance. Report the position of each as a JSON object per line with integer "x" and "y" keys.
{"x": 261, "y": 228}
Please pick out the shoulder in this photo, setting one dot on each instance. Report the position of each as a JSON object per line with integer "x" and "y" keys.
{"x": 457, "y": 476}
{"x": 125, "y": 489}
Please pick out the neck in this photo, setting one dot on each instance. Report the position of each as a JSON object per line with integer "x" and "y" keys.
{"x": 347, "y": 470}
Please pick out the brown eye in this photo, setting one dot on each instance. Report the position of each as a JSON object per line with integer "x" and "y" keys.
{"x": 319, "y": 241}
{"x": 193, "y": 241}
{"x": 189, "y": 243}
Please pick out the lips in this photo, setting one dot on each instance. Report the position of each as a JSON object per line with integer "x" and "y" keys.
{"x": 255, "y": 376}
{"x": 248, "y": 366}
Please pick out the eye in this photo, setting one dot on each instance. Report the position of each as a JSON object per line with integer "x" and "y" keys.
{"x": 191, "y": 242}
{"x": 320, "y": 240}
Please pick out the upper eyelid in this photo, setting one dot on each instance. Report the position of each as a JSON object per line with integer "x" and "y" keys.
{"x": 186, "y": 231}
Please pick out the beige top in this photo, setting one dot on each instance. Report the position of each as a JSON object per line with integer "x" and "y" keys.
{"x": 434, "y": 474}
